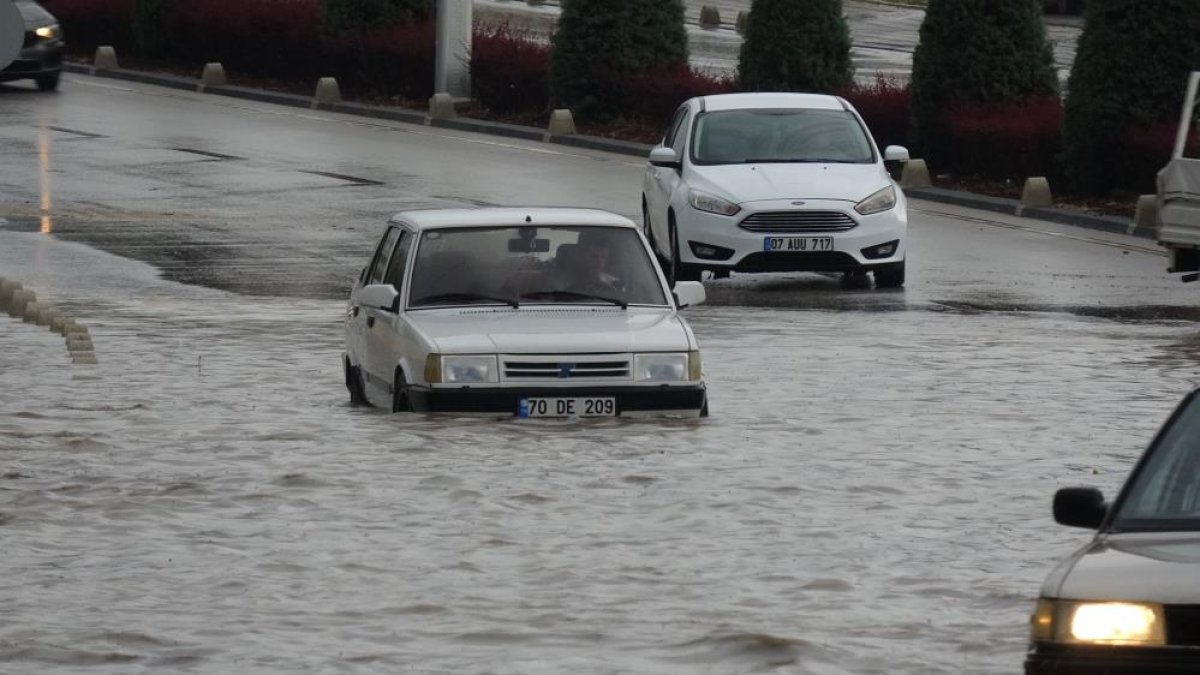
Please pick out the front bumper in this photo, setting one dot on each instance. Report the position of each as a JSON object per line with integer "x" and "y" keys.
{"x": 741, "y": 250}
{"x": 666, "y": 400}
{"x": 36, "y": 60}
{"x": 1115, "y": 660}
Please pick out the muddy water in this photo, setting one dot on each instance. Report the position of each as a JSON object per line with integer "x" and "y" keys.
{"x": 870, "y": 495}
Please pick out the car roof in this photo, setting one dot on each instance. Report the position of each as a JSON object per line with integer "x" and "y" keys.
{"x": 429, "y": 219}
{"x": 764, "y": 99}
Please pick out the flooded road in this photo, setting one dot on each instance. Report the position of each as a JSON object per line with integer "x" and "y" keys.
{"x": 871, "y": 494}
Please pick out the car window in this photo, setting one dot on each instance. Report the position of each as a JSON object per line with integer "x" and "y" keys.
{"x": 533, "y": 265}
{"x": 780, "y": 135}
{"x": 1165, "y": 492}
{"x": 383, "y": 255}
{"x": 672, "y": 136}
{"x": 397, "y": 266}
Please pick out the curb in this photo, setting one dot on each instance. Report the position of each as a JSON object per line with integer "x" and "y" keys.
{"x": 971, "y": 200}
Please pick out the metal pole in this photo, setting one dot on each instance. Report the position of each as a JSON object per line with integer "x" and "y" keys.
{"x": 1185, "y": 120}
{"x": 451, "y": 71}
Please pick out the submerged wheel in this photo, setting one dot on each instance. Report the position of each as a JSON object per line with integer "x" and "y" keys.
{"x": 400, "y": 399}
{"x": 678, "y": 270}
{"x": 890, "y": 275}
{"x": 647, "y": 229}
{"x": 47, "y": 82}
{"x": 354, "y": 382}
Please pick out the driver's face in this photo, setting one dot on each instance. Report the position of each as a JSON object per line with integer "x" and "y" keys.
{"x": 595, "y": 258}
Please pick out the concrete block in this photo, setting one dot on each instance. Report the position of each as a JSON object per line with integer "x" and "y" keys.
{"x": 562, "y": 123}
{"x": 441, "y": 107}
{"x": 327, "y": 92}
{"x": 79, "y": 344}
{"x": 710, "y": 17}
{"x": 45, "y": 316}
{"x": 20, "y": 298}
{"x": 105, "y": 58}
{"x": 7, "y": 288}
{"x": 1146, "y": 214}
{"x": 916, "y": 174}
{"x": 743, "y": 19}
{"x": 30, "y": 313}
{"x": 213, "y": 75}
{"x": 83, "y": 358}
{"x": 1036, "y": 193}
{"x": 57, "y": 322}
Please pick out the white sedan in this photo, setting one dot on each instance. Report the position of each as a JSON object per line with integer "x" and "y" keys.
{"x": 525, "y": 312}
{"x": 774, "y": 182}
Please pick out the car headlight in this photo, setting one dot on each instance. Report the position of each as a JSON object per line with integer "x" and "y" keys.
{"x": 1099, "y": 623}
{"x": 879, "y": 201}
{"x": 667, "y": 367}
{"x": 47, "y": 32}
{"x": 702, "y": 201}
{"x": 461, "y": 369}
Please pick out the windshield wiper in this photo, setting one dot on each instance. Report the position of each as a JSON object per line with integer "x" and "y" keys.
{"x": 575, "y": 294}
{"x": 463, "y": 297}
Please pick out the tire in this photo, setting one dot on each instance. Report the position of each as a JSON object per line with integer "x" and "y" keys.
{"x": 400, "y": 400}
{"x": 354, "y": 383}
{"x": 677, "y": 270}
{"x": 47, "y": 82}
{"x": 890, "y": 275}
{"x": 704, "y": 407}
{"x": 646, "y": 229}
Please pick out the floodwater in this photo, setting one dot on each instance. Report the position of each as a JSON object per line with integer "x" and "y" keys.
{"x": 871, "y": 494}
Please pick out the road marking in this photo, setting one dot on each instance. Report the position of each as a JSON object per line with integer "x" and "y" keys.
{"x": 1035, "y": 230}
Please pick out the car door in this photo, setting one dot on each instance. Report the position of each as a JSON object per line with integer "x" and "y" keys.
{"x": 355, "y": 316}
{"x": 385, "y": 336}
{"x": 661, "y": 182}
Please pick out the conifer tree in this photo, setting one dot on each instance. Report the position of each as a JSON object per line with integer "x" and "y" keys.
{"x": 795, "y": 46}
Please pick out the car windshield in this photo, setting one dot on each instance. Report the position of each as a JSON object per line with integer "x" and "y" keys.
{"x": 533, "y": 265}
{"x": 783, "y": 136}
{"x": 1165, "y": 493}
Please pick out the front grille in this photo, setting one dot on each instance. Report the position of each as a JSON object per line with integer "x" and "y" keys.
{"x": 798, "y": 221}
{"x": 1183, "y": 625}
{"x": 563, "y": 368}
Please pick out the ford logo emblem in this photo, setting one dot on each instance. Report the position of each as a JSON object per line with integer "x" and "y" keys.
{"x": 799, "y": 203}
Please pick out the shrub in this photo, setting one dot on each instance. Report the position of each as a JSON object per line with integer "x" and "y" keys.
{"x": 1130, "y": 71}
{"x": 653, "y": 96}
{"x": 339, "y": 16}
{"x": 1013, "y": 139}
{"x": 150, "y": 30}
{"x": 270, "y": 38}
{"x": 884, "y": 106}
{"x": 976, "y": 52}
{"x": 392, "y": 60}
{"x": 510, "y": 70}
{"x": 796, "y": 46}
{"x": 1147, "y": 149}
{"x": 87, "y": 24}
{"x": 710, "y": 17}
{"x": 599, "y": 44}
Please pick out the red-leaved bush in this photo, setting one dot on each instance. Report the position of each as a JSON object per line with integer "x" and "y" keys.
{"x": 509, "y": 70}
{"x": 87, "y": 24}
{"x": 1011, "y": 140}
{"x": 270, "y": 38}
{"x": 652, "y": 96}
{"x": 884, "y": 106}
{"x": 1146, "y": 150}
{"x": 392, "y": 60}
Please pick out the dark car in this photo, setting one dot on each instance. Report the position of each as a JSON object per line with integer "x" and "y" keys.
{"x": 1129, "y": 601}
{"x": 41, "y": 54}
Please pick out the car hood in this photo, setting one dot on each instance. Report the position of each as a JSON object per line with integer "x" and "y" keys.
{"x": 743, "y": 183}
{"x": 35, "y": 15}
{"x": 552, "y": 330}
{"x": 1147, "y": 567}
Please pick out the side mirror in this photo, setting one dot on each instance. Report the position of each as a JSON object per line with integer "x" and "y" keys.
{"x": 1079, "y": 507}
{"x": 379, "y": 296}
{"x": 665, "y": 157}
{"x": 688, "y": 293}
{"x": 895, "y": 153}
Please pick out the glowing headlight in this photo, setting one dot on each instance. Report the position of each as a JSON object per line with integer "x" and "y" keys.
{"x": 47, "y": 32}
{"x": 880, "y": 201}
{"x": 702, "y": 201}
{"x": 666, "y": 367}
{"x": 1107, "y": 623}
{"x": 468, "y": 369}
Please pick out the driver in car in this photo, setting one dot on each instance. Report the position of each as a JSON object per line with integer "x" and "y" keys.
{"x": 585, "y": 266}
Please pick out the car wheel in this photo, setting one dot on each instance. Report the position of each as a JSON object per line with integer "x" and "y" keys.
{"x": 890, "y": 275}
{"x": 47, "y": 82}
{"x": 649, "y": 231}
{"x": 400, "y": 399}
{"x": 354, "y": 382}
{"x": 678, "y": 270}
{"x": 704, "y": 407}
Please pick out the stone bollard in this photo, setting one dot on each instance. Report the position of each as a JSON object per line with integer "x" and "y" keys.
{"x": 915, "y": 174}
{"x": 327, "y": 92}
{"x": 82, "y": 358}
{"x": 45, "y": 316}
{"x": 57, "y": 322}
{"x": 79, "y": 344}
{"x": 22, "y": 297}
{"x": 710, "y": 17}
{"x": 1036, "y": 193}
{"x": 441, "y": 107}
{"x": 213, "y": 75}
{"x": 562, "y": 123}
{"x": 105, "y": 59}
{"x": 7, "y": 288}
{"x": 743, "y": 18}
{"x": 1146, "y": 214}
{"x": 30, "y": 314}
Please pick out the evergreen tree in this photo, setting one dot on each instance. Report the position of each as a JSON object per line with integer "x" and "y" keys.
{"x": 338, "y": 16}
{"x": 1131, "y": 68}
{"x": 150, "y": 19}
{"x": 976, "y": 52}
{"x": 795, "y": 46}
{"x": 599, "y": 44}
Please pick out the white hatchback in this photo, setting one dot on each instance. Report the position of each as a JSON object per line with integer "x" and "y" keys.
{"x": 774, "y": 182}
{"x": 525, "y": 312}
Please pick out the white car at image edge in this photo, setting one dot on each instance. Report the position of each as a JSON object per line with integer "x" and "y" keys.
{"x": 774, "y": 182}
{"x": 521, "y": 312}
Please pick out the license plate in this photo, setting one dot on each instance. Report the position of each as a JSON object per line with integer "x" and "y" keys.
{"x": 591, "y": 406}
{"x": 797, "y": 243}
